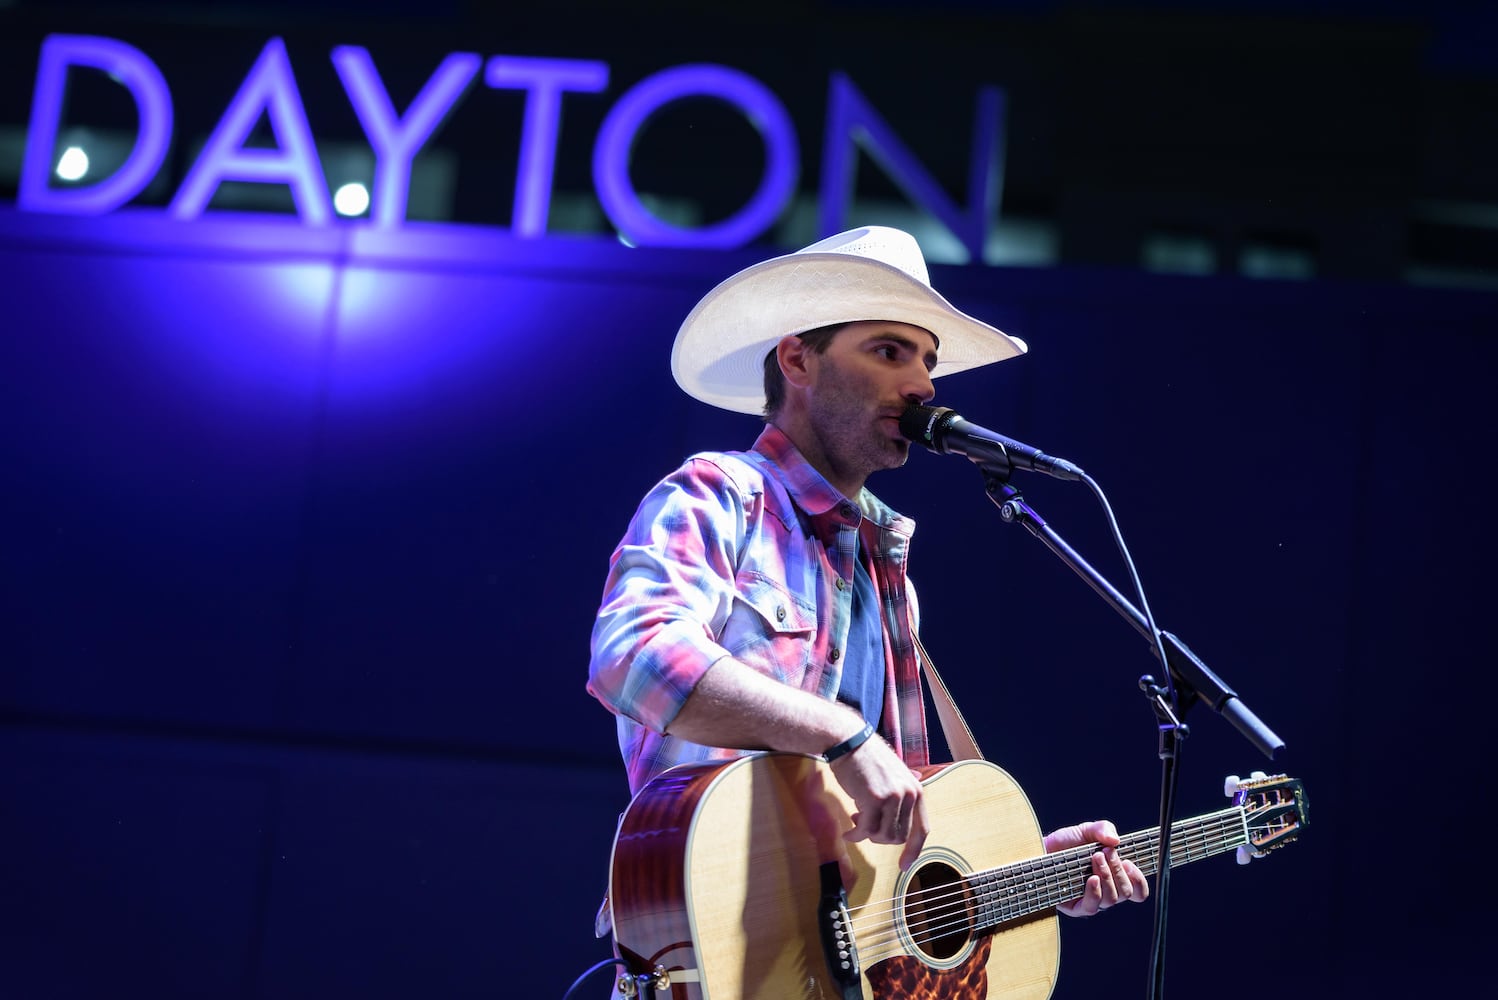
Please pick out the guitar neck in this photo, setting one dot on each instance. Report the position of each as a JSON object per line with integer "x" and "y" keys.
{"x": 1027, "y": 887}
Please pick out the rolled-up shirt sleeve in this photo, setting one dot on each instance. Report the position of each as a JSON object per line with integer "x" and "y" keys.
{"x": 669, "y": 591}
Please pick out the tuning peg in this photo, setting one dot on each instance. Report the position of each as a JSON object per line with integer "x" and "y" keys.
{"x": 1230, "y": 787}
{"x": 1246, "y": 854}
{"x": 1232, "y": 782}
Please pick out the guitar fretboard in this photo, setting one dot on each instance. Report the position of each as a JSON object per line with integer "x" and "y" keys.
{"x": 1013, "y": 891}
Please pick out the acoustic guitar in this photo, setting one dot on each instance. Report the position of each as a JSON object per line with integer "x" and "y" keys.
{"x": 732, "y": 881}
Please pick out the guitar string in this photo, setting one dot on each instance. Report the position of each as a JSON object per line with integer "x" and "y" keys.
{"x": 946, "y": 910}
{"x": 873, "y": 949}
{"x": 1055, "y": 859}
{"x": 989, "y": 903}
{"x": 985, "y": 892}
{"x": 1193, "y": 845}
{"x": 973, "y": 907}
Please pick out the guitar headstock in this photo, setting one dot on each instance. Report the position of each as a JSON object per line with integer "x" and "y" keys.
{"x": 1275, "y": 807}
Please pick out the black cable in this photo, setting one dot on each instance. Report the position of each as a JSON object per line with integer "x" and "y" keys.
{"x": 589, "y": 971}
{"x": 1170, "y": 764}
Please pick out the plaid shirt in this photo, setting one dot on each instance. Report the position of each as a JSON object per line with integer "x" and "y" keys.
{"x": 749, "y": 555}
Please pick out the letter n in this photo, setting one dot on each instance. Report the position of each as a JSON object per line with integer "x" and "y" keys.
{"x": 852, "y": 123}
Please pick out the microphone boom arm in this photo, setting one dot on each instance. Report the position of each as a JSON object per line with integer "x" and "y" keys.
{"x": 1191, "y": 677}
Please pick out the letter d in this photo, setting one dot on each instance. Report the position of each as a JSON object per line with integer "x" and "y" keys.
{"x": 139, "y": 74}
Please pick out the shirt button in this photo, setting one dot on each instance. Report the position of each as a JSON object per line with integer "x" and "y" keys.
{"x": 841, "y": 583}
{"x": 780, "y": 613}
{"x": 835, "y": 655}
{"x": 846, "y": 510}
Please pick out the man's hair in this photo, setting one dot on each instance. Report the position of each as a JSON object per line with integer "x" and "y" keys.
{"x": 817, "y": 340}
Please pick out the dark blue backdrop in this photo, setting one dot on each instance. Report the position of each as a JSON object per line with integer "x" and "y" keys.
{"x": 303, "y": 531}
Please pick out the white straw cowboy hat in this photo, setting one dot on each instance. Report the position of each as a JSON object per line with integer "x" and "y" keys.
{"x": 873, "y": 273}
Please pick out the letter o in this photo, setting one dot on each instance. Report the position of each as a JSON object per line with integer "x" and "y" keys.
{"x": 611, "y": 155}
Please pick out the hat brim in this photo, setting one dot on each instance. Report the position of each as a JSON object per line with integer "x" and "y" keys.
{"x": 720, "y": 349}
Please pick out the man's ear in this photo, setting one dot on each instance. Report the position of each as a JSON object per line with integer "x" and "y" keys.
{"x": 795, "y": 359}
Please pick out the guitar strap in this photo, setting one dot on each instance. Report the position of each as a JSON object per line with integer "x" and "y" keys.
{"x": 954, "y": 728}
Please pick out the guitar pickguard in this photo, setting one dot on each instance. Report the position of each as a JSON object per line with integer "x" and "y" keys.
{"x": 909, "y": 978}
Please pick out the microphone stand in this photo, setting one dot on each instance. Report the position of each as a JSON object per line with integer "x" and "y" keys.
{"x": 1187, "y": 681}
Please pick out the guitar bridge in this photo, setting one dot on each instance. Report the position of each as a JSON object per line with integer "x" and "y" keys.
{"x": 836, "y": 925}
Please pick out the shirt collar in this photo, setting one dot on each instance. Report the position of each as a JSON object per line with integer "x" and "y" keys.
{"x": 811, "y": 491}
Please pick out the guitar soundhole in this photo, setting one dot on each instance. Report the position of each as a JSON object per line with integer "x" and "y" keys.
{"x": 936, "y": 911}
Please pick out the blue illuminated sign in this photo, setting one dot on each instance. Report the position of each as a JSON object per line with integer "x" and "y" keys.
{"x": 270, "y": 90}
{"x": 153, "y": 101}
{"x": 611, "y": 156}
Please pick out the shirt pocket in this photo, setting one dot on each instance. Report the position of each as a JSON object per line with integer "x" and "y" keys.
{"x": 771, "y": 628}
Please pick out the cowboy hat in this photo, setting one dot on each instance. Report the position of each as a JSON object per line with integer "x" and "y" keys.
{"x": 873, "y": 273}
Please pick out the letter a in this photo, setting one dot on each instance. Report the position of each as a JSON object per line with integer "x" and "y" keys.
{"x": 271, "y": 89}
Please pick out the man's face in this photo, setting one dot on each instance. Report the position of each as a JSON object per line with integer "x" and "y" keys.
{"x": 865, "y": 379}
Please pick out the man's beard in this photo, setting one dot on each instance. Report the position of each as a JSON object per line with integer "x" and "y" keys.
{"x": 849, "y": 427}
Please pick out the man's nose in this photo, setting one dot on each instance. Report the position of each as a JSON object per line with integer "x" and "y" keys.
{"x": 918, "y": 387}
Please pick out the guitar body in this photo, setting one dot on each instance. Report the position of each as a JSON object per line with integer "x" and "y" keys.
{"x": 719, "y": 875}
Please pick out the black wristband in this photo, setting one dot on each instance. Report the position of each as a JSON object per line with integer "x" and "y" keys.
{"x": 850, "y": 744}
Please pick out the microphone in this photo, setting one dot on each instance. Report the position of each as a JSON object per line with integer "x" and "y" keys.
{"x": 944, "y": 432}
